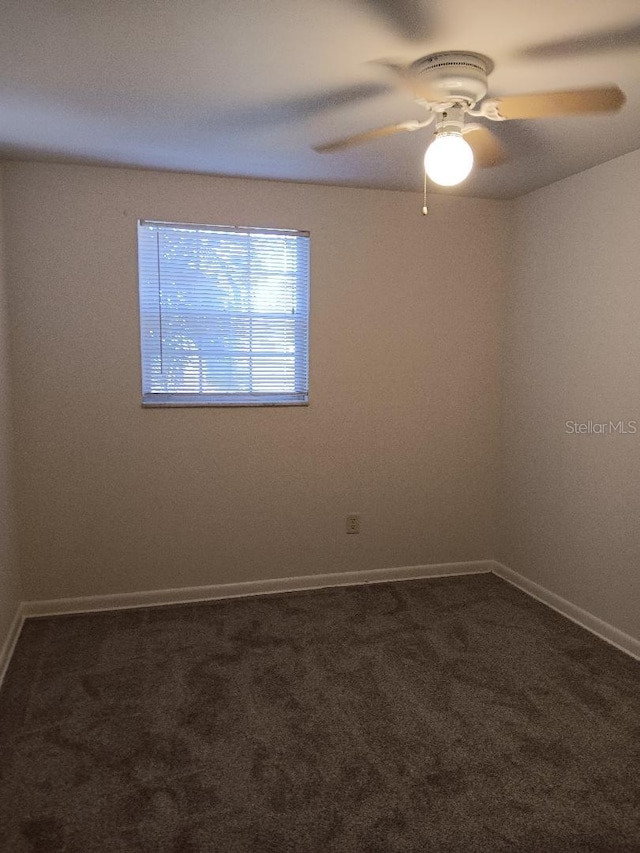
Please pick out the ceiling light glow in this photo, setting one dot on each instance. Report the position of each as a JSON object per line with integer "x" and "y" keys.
{"x": 448, "y": 160}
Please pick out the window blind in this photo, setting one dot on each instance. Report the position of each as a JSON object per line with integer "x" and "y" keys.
{"x": 224, "y": 315}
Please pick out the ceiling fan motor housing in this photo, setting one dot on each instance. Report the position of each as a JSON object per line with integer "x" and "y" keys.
{"x": 454, "y": 77}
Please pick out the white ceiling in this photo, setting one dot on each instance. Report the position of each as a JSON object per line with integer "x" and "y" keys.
{"x": 246, "y": 87}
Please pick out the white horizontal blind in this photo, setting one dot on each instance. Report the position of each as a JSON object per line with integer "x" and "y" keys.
{"x": 224, "y": 315}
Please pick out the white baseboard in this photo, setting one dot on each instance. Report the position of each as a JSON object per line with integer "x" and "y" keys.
{"x": 617, "y": 638}
{"x": 7, "y": 648}
{"x": 154, "y": 598}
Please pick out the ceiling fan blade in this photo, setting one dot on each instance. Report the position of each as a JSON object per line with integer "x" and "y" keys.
{"x": 623, "y": 38}
{"x": 487, "y": 149}
{"x": 410, "y": 19}
{"x": 605, "y": 99}
{"x": 272, "y": 113}
{"x": 368, "y": 135}
{"x": 402, "y": 76}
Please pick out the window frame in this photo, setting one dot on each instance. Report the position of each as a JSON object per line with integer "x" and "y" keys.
{"x": 301, "y": 330}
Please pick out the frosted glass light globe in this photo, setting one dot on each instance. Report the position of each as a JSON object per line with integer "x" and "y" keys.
{"x": 448, "y": 160}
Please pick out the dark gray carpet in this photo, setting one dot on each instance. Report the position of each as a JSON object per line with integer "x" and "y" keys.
{"x": 454, "y": 715}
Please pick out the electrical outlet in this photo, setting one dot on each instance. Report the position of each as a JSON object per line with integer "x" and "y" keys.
{"x": 353, "y": 523}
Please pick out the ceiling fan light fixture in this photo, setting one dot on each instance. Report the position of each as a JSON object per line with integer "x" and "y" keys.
{"x": 449, "y": 159}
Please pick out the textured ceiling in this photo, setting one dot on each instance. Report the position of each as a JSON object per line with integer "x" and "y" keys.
{"x": 246, "y": 87}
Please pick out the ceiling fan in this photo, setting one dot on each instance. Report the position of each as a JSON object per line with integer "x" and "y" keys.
{"x": 452, "y": 86}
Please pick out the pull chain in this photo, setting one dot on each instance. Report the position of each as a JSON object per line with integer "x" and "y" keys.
{"x": 425, "y": 210}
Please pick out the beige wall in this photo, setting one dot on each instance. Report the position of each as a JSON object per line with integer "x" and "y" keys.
{"x": 571, "y": 508}
{"x": 9, "y": 586}
{"x": 403, "y": 421}
{"x": 405, "y": 383}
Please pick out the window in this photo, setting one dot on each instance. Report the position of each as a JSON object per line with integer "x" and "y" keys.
{"x": 224, "y": 315}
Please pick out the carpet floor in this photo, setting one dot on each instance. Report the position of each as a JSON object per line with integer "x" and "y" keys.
{"x": 452, "y": 715}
